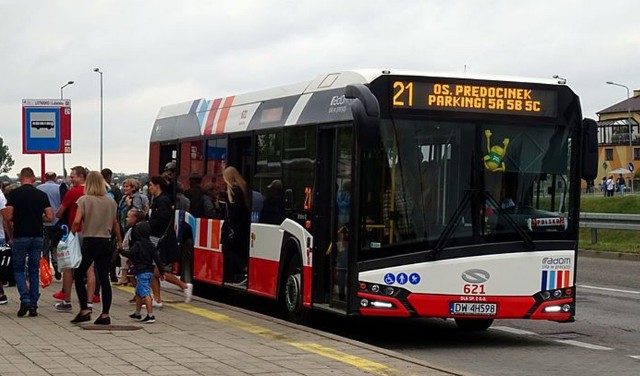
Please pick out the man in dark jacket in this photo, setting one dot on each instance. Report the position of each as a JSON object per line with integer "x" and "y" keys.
{"x": 144, "y": 256}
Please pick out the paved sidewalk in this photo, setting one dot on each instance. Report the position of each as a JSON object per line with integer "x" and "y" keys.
{"x": 199, "y": 338}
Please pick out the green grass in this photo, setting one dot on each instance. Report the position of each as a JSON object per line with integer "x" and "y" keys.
{"x": 611, "y": 240}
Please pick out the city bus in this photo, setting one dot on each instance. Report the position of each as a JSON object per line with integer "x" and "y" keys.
{"x": 399, "y": 194}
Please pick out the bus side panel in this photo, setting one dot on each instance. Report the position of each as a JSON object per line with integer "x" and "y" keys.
{"x": 207, "y": 253}
{"x": 154, "y": 159}
{"x": 207, "y": 265}
{"x": 264, "y": 259}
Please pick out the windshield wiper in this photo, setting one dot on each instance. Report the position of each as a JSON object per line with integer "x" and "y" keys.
{"x": 468, "y": 197}
{"x": 528, "y": 242}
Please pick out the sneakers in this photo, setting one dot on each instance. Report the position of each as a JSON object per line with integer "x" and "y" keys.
{"x": 59, "y": 295}
{"x": 3, "y": 300}
{"x": 240, "y": 280}
{"x": 96, "y": 298}
{"x": 81, "y": 318}
{"x": 188, "y": 293}
{"x": 103, "y": 321}
{"x": 136, "y": 316}
{"x": 33, "y": 312}
{"x": 156, "y": 304}
{"x": 63, "y": 306}
{"x": 149, "y": 319}
{"x": 24, "y": 308}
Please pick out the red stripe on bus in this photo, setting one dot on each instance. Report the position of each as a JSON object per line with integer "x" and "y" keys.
{"x": 307, "y": 276}
{"x": 203, "y": 233}
{"x": 224, "y": 114}
{"x": 511, "y": 307}
{"x": 207, "y": 266}
{"x": 567, "y": 283}
{"x": 559, "y": 279}
{"x": 263, "y": 276}
{"x": 212, "y": 114}
{"x": 215, "y": 234}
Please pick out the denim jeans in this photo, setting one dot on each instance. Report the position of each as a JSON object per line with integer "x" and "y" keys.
{"x": 27, "y": 249}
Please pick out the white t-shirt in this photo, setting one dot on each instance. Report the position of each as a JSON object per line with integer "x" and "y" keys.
{"x": 3, "y": 204}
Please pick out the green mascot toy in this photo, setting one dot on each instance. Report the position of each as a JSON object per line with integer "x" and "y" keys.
{"x": 493, "y": 161}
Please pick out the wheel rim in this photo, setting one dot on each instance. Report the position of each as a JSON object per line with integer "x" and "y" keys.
{"x": 292, "y": 293}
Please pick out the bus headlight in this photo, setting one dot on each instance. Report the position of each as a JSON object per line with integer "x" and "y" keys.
{"x": 545, "y": 295}
{"x": 379, "y": 304}
{"x": 375, "y": 289}
{"x": 566, "y": 308}
{"x": 389, "y": 290}
{"x": 557, "y": 293}
{"x": 364, "y": 303}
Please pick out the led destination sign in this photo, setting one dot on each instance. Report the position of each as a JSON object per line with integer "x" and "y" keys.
{"x": 469, "y": 97}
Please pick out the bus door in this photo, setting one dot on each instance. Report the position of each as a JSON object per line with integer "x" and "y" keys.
{"x": 333, "y": 203}
{"x": 239, "y": 155}
{"x": 168, "y": 153}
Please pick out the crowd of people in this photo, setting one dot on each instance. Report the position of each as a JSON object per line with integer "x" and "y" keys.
{"x": 126, "y": 234}
{"x": 126, "y": 228}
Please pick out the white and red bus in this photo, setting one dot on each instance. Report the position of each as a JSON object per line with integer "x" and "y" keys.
{"x": 405, "y": 194}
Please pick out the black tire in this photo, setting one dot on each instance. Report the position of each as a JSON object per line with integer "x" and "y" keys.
{"x": 474, "y": 325}
{"x": 292, "y": 292}
{"x": 186, "y": 262}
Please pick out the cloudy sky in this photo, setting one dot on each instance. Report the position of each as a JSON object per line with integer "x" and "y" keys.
{"x": 160, "y": 52}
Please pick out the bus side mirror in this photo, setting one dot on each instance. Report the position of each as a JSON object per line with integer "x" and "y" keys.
{"x": 589, "y": 149}
{"x": 288, "y": 200}
{"x": 366, "y": 115}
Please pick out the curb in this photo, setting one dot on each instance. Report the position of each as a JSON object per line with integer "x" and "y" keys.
{"x": 335, "y": 337}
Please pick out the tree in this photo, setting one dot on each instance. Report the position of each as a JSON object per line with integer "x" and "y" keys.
{"x": 6, "y": 160}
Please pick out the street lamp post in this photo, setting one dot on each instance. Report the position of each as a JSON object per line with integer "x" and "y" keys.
{"x": 64, "y": 169}
{"x": 97, "y": 70}
{"x": 628, "y": 121}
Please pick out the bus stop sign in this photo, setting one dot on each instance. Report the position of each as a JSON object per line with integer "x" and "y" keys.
{"x": 46, "y": 126}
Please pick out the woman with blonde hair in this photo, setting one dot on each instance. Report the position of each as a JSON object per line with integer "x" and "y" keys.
{"x": 97, "y": 214}
{"x": 235, "y": 230}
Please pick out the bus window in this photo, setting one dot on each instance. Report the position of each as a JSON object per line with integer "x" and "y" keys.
{"x": 196, "y": 158}
{"x": 216, "y": 155}
{"x": 268, "y": 160}
{"x": 298, "y": 167}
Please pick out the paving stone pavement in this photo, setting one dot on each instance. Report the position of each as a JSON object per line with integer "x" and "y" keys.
{"x": 198, "y": 338}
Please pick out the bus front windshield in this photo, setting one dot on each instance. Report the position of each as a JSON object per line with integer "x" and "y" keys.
{"x": 450, "y": 183}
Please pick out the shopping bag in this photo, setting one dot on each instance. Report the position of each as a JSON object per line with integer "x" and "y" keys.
{"x": 68, "y": 251}
{"x": 45, "y": 272}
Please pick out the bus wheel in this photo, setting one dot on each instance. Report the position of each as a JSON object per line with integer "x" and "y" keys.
{"x": 186, "y": 264}
{"x": 474, "y": 324}
{"x": 292, "y": 298}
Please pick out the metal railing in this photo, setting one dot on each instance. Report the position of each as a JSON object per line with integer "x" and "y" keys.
{"x": 613, "y": 221}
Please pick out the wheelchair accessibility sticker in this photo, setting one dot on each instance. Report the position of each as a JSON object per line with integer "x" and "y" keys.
{"x": 402, "y": 278}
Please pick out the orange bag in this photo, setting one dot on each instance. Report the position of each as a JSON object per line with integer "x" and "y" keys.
{"x": 45, "y": 273}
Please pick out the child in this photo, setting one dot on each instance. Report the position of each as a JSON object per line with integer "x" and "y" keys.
{"x": 133, "y": 216}
{"x": 144, "y": 255}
